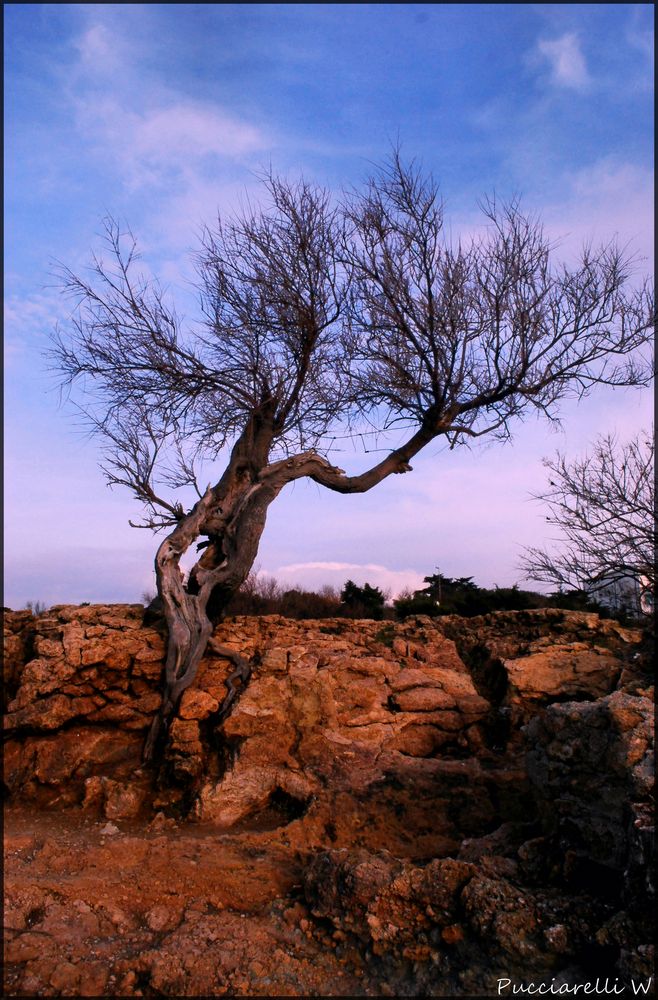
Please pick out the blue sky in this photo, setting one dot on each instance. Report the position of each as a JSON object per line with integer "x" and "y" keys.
{"x": 161, "y": 115}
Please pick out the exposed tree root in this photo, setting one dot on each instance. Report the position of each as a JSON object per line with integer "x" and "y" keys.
{"x": 242, "y": 673}
{"x": 236, "y": 682}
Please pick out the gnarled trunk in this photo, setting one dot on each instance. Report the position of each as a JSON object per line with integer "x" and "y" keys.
{"x": 231, "y": 515}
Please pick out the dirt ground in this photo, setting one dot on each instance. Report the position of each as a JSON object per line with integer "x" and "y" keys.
{"x": 98, "y": 909}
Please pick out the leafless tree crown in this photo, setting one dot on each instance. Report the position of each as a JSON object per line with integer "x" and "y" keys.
{"x": 603, "y": 506}
{"x": 316, "y": 314}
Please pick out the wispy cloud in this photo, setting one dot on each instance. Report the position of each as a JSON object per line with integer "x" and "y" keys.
{"x": 566, "y": 61}
{"x": 173, "y": 139}
{"x": 28, "y": 320}
{"x": 151, "y": 135}
{"x": 606, "y": 199}
{"x": 100, "y": 51}
{"x": 183, "y": 156}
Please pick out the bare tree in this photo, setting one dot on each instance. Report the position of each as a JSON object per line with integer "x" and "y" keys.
{"x": 315, "y": 317}
{"x": 604, "y": 508}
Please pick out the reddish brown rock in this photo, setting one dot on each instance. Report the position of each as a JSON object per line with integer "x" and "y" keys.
{"x": 18, "y": 640}
{"x": 344, "y": 703}
{"x": 114, "y": 799}
{"x": 559, "y": 671}
{"x": 197, "y": 704}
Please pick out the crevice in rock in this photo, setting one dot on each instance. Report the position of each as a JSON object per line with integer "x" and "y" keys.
{"x": 35, "y": 916}
{"x": 498, "y": 729}
{"x": 600, "y": 959}
{"x": 280, "y": 810}
{"x": 331, "y": 832}
{"x": 392, "y": 704}
{"x": 491, "y": 682}
{"x": 565, "y": 697}
{"x": 225, "y": 752}
{"x": 487, "y": 671}
{"x": 24, "y": 732}
{"x": 584, "y": 874}
{"x": 143, "y": 984}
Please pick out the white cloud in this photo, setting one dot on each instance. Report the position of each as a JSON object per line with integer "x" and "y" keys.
{"x": 316, "y": 574}
{"x": 172, "y": 135}
{"x": 184, "y": 155}
{"x": 566, "y": 61}
{"x": 28, "y": 320}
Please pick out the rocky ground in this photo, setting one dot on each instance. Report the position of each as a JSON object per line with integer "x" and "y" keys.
{"x": 420, "y": 808}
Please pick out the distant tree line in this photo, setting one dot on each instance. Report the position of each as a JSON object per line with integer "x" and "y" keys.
{"x": 263, "y": 595}
{"x": 443, "y": 595}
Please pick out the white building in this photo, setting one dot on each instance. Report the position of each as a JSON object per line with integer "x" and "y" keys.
{"x": 634, "y": 597}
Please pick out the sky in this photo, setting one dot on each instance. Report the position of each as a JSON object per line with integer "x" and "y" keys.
{"x": 162, "y": 115}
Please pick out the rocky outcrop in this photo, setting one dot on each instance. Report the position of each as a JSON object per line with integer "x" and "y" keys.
{"x": 326, "y": 698}
{"x": 511, "y": 904}
{"x": 463, "y": 796}
{"x": 81, "y": 701}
